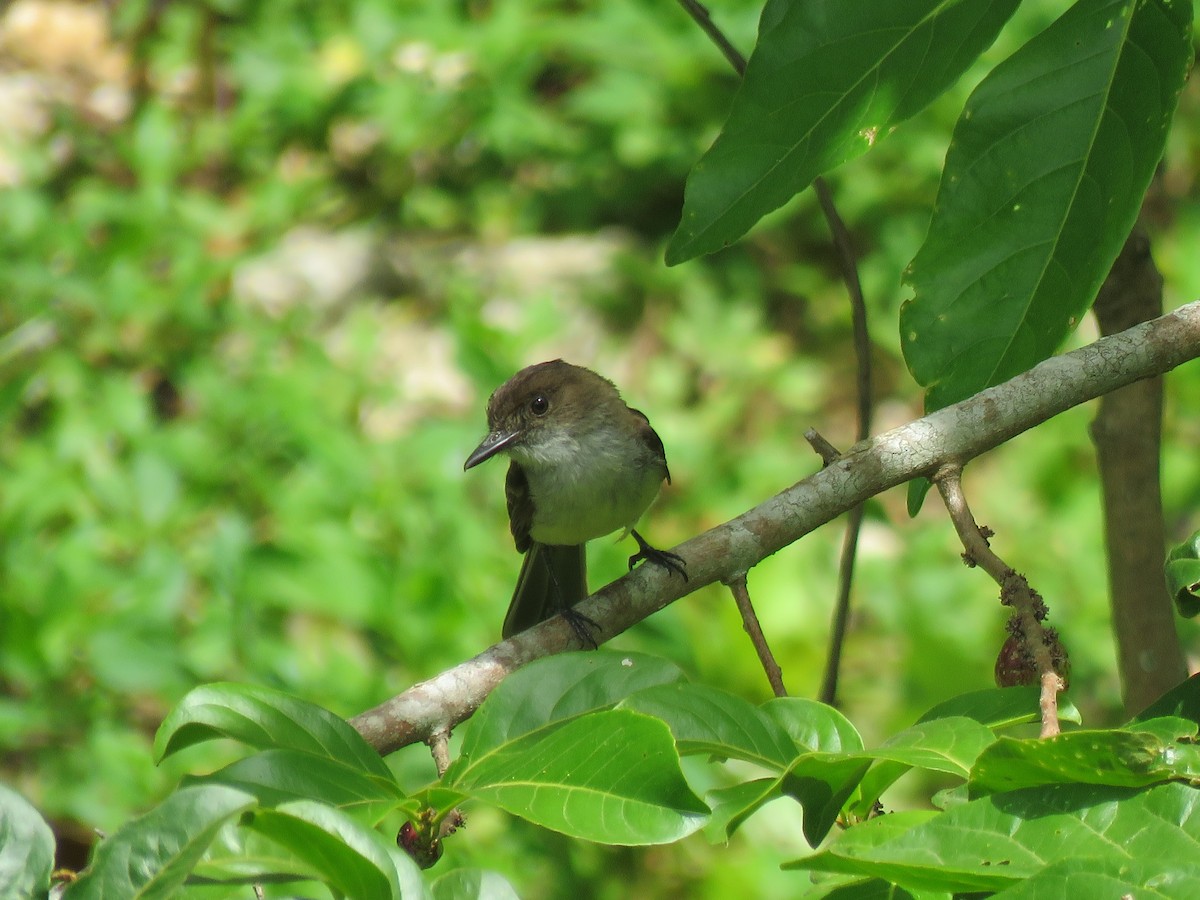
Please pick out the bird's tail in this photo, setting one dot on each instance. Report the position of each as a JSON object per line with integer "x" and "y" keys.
{"x": 553, "y": 578}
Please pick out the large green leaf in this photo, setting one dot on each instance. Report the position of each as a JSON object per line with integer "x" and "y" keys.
{"x": 153, "y": 855}
{"x": 550, "y": 691}
{"x": 948, "y": 745}
{"x": 265, "y": 719}
{"x": 814, "y": 725}
{"x": 707, "y": 720}
{"x": 611, "y": 776}
{"x": 26, "y": 848}
{"x": 346, "y": 855}
{"x": 279, "y": 776}
{"x": 827, "y": 79}
{"x": 997, "y": 841}
{"x": 1001, "y": 707}
{"x": 1132, "y": 759}
{"x": 1044, "y": 177}
{"x": 1113, "y": 877}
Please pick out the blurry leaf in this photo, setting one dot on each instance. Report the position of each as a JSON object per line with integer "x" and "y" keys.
{"x": 26, "y": 848}
{"x": 1183, "y": 575}
{"x": 611, "y": 776}
{"x": 1000, "y": 840}
{"x": 349, "y": 857}
{"x": 707, "y": 720}
{"x": 156, "y": 487}
{"x": 469, "y": 884}
{"x": 153, "y": 855}
{"x": 1044, "y": 177}
{"x": 265, "y": 719}
{"x": 552, "y": 690}
{"x": 1001, "y": 707}
{"x": 827, "y": 79}
{"x": 1117, "y": 758}
{"x": 279, "y": 776}
{"x": 915, "y": 494}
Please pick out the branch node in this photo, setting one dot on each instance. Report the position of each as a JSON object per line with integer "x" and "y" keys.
{"x": 829, "y": 454}
{"x": 439, "y": 748}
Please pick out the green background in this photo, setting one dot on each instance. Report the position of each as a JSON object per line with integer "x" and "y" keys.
{"x": 262, "y": 265}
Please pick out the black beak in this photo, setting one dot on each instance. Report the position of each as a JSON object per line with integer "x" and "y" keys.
{"x": 492, "y": 444}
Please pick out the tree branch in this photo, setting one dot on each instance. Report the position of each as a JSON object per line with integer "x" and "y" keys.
{"x": 948, "y": 436}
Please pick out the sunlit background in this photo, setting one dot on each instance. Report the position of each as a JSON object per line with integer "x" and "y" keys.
{"x": 261, "y": 265}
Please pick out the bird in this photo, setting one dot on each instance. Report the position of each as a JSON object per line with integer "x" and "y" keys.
{"x": 582, "y": 464}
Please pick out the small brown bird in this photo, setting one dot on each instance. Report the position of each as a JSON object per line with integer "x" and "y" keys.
{"x": 583, "y": 464}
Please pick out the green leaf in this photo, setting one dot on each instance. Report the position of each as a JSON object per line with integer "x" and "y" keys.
{"x": 822, "y": 783}
{"x": 1168, "y": 729}
{"x": 552, "y": 690}
{"x": 948, "y": 745}
{"x": 999, "y": 840}
{"x": 1044, "y": 177}
{"x": 1087, "y": 757}
{"x": 26, "y": 848}
{"x": 1113, "y": 877}
{"x": 1183, "y": 575}
{"x": 347, "y": 856}
{"x": 827, "y": 78}
{"x": 863, "y": 889}
{"x": 706, "y": 720}
{"x": 1183, "y": 700}
{"x": 814, "y": 725}
{"x": 279, "y": 776}
{"x": 611, "y": 776}
{"x": 732, "y": 805}
{"x": 1001, "y": 707}
{"x": 265, "y": 719}
{"x": 469, "y": 884}
{"x": 153, "y": 855}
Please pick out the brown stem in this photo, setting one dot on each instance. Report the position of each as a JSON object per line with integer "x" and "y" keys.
{"x": 1029, "y": 610}
{"x": 700, "y": 15}
{"x": 1127, "y": 433}
{"x": 741, "y": 596}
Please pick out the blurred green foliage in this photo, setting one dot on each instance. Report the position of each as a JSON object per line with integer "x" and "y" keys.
{"x": 263, "y": 264}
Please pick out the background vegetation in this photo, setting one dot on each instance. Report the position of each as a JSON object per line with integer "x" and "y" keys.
{"x": 264, "y": 262}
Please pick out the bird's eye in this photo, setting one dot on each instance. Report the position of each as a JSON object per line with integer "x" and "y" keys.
{"x": 539, "y": 405}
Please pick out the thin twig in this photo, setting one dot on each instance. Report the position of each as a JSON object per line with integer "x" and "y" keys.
{"x": 700, "y": 14}
{"x": 1029, "y": 610}
{"x": 741, "y": 595}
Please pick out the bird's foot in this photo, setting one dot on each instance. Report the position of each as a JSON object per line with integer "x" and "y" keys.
{"x": 672, "y": 562}
{"x": 583, "y": 626}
